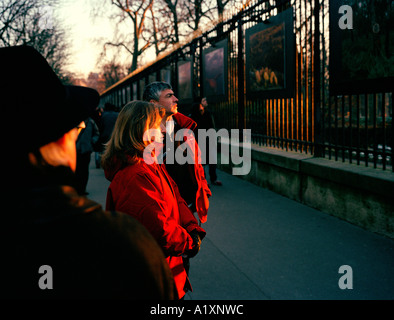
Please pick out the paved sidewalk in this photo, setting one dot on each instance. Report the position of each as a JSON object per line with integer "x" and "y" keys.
{"x": 261, "y": 246}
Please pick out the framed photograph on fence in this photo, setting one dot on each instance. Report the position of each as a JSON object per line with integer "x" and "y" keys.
{"x": 141, "y": 88}
{"x": 361, "y": 46}
{"x": 185, "y": 89}
{"x": 152, "y": 77}
{"x": 135, "y": 91}
{"x": 270, "y": 57}
{"x": 165, "y": 75}
{"x": 215, "y": 71}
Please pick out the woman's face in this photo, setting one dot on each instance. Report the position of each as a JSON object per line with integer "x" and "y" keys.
{"x": 154, "y": 134}
{"x": 154, "y": 144}
{"x": 157, "y": 135}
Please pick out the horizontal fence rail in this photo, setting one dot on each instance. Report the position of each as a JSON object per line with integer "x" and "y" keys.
{"x": 304, "y": 115}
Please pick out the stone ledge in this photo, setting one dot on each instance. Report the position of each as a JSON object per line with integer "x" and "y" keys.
{"x": 372, "y": 180}
{"x": 360, "y": 195}
{"x": 376, "y": 181}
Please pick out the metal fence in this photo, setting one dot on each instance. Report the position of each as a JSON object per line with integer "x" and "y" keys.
{"x": 349, "y": 127}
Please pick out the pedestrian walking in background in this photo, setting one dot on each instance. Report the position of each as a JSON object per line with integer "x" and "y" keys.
{"x": 98, "y": 147}
{"x": 54, "y": 243}
{"x": 146, "y": 191}
{"x": 204, "y": 119}
{"x": 107, "y": 123}
{"x": 108, "y": 120}
{"x": 87, "y": 138}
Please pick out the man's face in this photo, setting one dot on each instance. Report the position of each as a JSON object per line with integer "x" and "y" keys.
{"x": 201, "y": 108}
{"x": 69, "y": 145}
{"x": 204, "y": 102}
{"x": 168, "y": 101}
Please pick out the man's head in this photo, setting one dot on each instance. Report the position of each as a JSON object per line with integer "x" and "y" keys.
{"x": 201, "y": 103}
{"x": 62, "y": 152}
{"x": 204, "y": 102}
{"x": 46, "y": 111}
{"x": 161, "y": 93}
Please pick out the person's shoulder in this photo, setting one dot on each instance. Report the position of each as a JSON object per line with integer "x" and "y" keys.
{"x": 110, "y": 224}
{"x": 136, "y": 173}
{"x": 139, "y": 168}
{"x": 184, "y": 121}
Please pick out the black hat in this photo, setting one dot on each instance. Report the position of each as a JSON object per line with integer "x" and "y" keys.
{"x": 38, "y": 108}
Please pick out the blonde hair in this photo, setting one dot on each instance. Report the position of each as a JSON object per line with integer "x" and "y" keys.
{"x": 126, "y": 142}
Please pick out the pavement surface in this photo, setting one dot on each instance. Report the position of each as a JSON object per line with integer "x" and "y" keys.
{"x": 263, "y": 246}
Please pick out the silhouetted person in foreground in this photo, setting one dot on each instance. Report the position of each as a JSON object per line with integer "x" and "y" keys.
{"x": 54, "y": 243}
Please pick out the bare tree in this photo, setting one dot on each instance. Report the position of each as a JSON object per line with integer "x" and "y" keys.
{"x": 136, "y": 12}
{"x": 29, "y": 22}
{"x": 172, "y": 6}
{"x": 159, "y": 29}
{"x": 198, "y": 10}
{"x": 113, "y": 72}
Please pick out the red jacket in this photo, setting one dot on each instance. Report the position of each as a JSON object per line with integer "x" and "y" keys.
{"x": 192, "y": 177}
{"x": 149, "y": 194}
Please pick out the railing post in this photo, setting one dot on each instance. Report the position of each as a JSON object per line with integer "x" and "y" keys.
{"x": 241, "y": 81}
{"x": 318, "y": 143}
{"x": 201, "y": 66}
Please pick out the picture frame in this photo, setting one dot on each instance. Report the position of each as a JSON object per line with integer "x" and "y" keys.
{"x": 185, "y": 85}
{"x": 215, "y": 72}
{"x": 165, "y": 75}
{"x": 152, "y": 77}
{"x": 135, "y": 91}
{"x": 270, "y": 57}
{"x": 361, "y": 59}
{"x": 141, "y": 88}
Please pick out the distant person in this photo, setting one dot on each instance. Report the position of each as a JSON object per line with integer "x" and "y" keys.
{"x": 87, "y": 138}
{"x": 56, "y": 244}
{"x": 107, "y": 123}
{"x": 203, "y": 118}
{"x": 108, "y": 120}
{"x": 144, "y": 189}
{"x": 98, "y": 147}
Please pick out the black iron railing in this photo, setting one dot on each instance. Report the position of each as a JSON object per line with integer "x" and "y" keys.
{"x": 356, "y": 128}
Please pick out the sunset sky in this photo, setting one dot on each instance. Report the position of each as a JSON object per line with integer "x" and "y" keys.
{"x": 84, "y": 32}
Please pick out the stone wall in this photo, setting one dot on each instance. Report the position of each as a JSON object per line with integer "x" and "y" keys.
{"x": 360, "y": 195}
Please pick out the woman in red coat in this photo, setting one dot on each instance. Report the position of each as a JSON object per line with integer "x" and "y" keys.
{"x": 144, "y": 189}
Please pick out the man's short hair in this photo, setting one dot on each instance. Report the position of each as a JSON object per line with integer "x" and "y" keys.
{"x": 153, "y": 90}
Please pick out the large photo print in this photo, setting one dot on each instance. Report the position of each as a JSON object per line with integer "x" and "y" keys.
{"x": 270, "y": 57}
{"x": 185, "y": 80}
{"x": 215, "y": 71}
{"x": 361, "y": 46}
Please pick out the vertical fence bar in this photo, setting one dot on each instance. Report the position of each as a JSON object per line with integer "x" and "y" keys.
{"x": 366, "y": 129}
{"x": 392, "y": 133}
{"x": 200, "y": 44}
{"x": 317, "y": 150}
{"x": 350, "y": 128}
{"x": 323, "y": 84}
{"x": 384, "y": 130}
{"x": 343, "y": 127}
{"x": 336, "y": 129}
{"x": 374, "y": 152}
{"x": 241, "y": 79}
{"x": 358, "y": 129}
